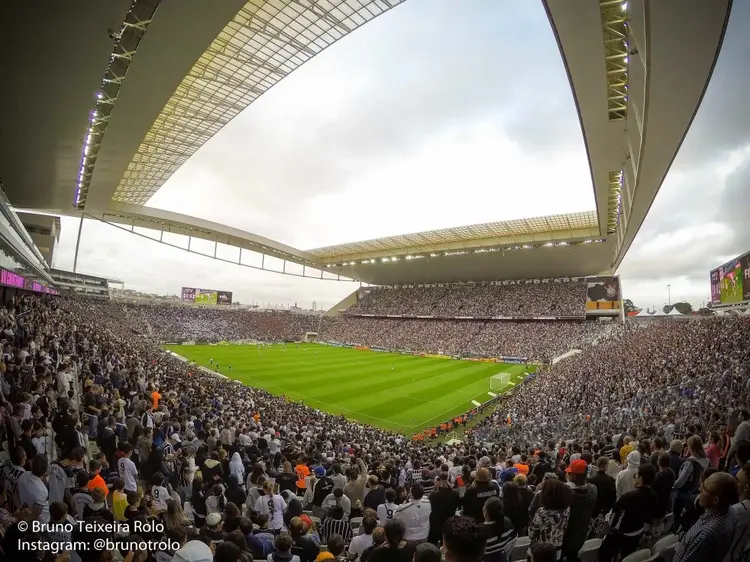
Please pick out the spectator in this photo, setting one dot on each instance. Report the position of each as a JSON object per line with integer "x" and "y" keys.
{"x": 499, "y": 533}
{"x": 741, "y": 512}
{"x": 581, "y": 509}
{"x": 689, "y": 477}
{"x": 606, "y": 495}
{"x": 711, "y": 538}
{"x": 551, "y": 519}
{"x": 284, "y": 544}
{"x": 444, "y": 501}
{"x": 663, "y": 484}
{"x": 395, "y": 548}
{"x": 378, "y": 540}
{"x": 463, "y": 540}
{"x": 362, "y": 541}
{"x": 415, "y": 515}
{"x": 625, "y": 481}
{"x": 475, "y": 496}
{"x": 335, "y": 524}
{"x": 631, "y": 513}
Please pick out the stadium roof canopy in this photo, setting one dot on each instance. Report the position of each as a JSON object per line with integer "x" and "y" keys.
{"x": 110, "y": 98}
{"x": 563, "y": 228}
{"x": 477, "y": 252}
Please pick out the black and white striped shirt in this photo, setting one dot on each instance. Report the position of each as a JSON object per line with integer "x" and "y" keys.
{"x": 497, "y": 544}
{"x": 414, "y": 475}
{"x": 336, "y": 527}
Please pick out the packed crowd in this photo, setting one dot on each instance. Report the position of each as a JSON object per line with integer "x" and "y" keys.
{"x": 642, "y": 376}
{"x": 645, "y": 435}
{"x": 189, "y": 323}
{"x": 526, "y": 300}
{"x": 536, "y": 339}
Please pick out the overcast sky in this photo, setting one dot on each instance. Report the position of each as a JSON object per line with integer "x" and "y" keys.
{"x": 433, "y": 116}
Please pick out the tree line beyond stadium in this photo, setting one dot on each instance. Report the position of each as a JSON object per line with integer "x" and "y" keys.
{"x": 206, "y": 296}
{"x": 730, "y": 283}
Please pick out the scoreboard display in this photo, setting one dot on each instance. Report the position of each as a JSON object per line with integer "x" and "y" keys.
{"x": 206, "y": 296}
{"x": 730, "y": 282}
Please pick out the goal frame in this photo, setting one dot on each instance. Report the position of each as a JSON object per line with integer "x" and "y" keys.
{"x": 499, "y": 383}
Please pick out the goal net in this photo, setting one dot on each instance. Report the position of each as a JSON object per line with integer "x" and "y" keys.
{"x": 500, "y": 383}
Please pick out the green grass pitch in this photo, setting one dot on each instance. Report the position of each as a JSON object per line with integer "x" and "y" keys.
{"x": 392, "y": 391}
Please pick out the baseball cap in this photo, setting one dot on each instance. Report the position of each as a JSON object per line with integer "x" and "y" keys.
{"x": 213, "y": 519}
{"x": 320, "y": 471}
{"x": 194, "y": 551}
{"x": 176, "y": 437}
{"x": 428, "y": 551}
{"x": 578, "y": 466}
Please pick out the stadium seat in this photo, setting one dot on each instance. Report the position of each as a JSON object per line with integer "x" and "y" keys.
{"x": 667, "y": 553}
{"x": 590, "y": 550}
{"x": 668, "y": 521}
{"x": 638, "y": 556}
{"x": 316, "y": 520}
{"x": 519, "y": 551}
{"x": 665, "y": 542}
{"x": 355, "y": 522}
{"x": 188, "y": 511}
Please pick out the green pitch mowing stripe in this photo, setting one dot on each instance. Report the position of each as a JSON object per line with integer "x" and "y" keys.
{"x": 398, "y": 392}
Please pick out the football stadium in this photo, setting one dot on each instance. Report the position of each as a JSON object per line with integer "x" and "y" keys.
{"x": 481, "y": 393}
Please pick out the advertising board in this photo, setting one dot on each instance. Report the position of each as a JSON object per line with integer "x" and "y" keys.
{"x": 11, "y": 279}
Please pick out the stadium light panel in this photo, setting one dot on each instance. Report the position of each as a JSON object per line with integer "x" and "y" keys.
{"x": 130, "y": 33}
{"x": 614, "y": 19}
